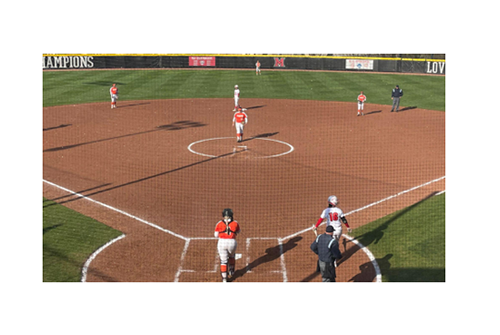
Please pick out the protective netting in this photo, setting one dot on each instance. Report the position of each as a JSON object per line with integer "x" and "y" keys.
{"x": 162, "y": 166}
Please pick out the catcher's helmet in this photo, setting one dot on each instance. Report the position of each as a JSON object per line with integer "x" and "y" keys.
{"x": 333, "y": 200}
{"x": 227, "y": 212}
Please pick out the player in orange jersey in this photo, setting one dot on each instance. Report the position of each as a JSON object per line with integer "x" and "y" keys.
{"x": 240, "y": 119}
{"x": 226, "y": 231}
{"x": 257, "y": 68}
{"x": 361, "y": 103}
{"x": 113, "y": 91}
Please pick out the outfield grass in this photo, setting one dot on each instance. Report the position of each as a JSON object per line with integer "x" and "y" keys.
{"x": 69, "y": 238}
{"x": 409, "y": 245}
{"x": 74, "y": 87}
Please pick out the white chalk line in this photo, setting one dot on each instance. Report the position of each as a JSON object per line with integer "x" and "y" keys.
{"x": 116, "y": 210}
{"x": 253, "y": 138}
{"x": 396, "y": 195}
{"x": 282, "y": 259}
{"x": 378, "y": 274}
{"x": 94, "y": 255}
{"x": 179, "y": 270}
{"x": 372, "y": 204}
{"x": 373, "y": 260}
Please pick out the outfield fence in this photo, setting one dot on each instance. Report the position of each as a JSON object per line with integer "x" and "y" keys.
{"x": 401, "y": 64}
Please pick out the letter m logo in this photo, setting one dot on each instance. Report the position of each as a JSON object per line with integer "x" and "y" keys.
{"x": 279, "y": 62}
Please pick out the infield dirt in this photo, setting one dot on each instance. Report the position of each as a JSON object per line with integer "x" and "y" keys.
{"x": 294, "y": 155}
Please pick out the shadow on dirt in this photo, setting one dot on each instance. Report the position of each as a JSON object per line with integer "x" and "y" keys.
{"x": 119, "y": 106}
{"x": 374, "y": 112}
{"x": 179, "y": 125}
{"x": 60, "y": 126}
{"x": 255, "y": 107}
{"x": 265, "y": 135}
{"x": 51, "y": 202}
{"x": 367, "y": 272}
{"x": 407, "y": 108}
{"x": 272, "y": 254}
{"x": 149, "y": 177}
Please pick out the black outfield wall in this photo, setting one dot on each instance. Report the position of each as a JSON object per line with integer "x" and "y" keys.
{"x": 68, "y": 62}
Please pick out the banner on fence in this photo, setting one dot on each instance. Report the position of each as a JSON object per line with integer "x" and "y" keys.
{"x": 359, "y": 64}
{"x": 201, "y": 61}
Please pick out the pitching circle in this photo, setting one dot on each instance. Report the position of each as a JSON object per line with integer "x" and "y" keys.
{"x": 256, "y": 138}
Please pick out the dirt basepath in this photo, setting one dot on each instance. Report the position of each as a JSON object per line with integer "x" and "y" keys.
{"x": 135, "y": 159}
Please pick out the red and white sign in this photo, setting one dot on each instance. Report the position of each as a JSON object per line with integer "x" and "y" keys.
{"x": 201, "y": 61}
{"x": 279, "y": 62}
{"x": 359, "y": 64}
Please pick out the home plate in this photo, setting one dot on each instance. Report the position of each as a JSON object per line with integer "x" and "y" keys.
{"x": 237, "y": 256}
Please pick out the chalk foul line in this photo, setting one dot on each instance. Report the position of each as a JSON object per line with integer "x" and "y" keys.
{"x": 116, "y": 210}
{"x": 378, "y": 276}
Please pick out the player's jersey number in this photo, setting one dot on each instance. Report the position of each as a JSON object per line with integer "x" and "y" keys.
{"x": 334, "y": 216}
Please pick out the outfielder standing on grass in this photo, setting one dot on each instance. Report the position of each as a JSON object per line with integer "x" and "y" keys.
{"x": 113, "y": 91}
{"x": 334, "y": 217}
{"x": 240, "y": 119}
{"x": 397, "y": 93}
{"x": 236, "y": 98}
{"x": 226, "y": 231}
{"x": 327, "y": 248}
{"x": 257, "y": 68}
{"x": 361, "y": 103}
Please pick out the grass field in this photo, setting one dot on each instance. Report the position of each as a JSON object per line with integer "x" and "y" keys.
{"x": 75, "y": 87}
{"x": 409, "y": 245}
{"x": 405, "y": 253}
{"x": 69, "y": 238}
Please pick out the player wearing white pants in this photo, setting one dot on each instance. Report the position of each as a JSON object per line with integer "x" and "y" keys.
{"x": 113, "y": 91}
{"x": 236, "y": 98}
{"x": 240, "y": 119}
{"x": 334, "y": 216}
{"x": 226, "y": 231}
{"x": 361, "y": 103}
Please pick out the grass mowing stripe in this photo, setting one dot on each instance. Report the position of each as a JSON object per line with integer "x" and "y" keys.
{"x": 70, "y": 87}
{"x": 69, "y": 238}
{"x": 409, "y": 245}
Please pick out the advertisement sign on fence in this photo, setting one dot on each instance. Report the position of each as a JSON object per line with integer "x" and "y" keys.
{"x": 201, "y": 61}
{"x": 359, "y": 64}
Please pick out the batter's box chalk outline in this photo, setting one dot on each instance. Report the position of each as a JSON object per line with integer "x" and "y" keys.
{"x": 188, "y": 240}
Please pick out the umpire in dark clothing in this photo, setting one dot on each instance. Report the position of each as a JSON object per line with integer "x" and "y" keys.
{"x": 397, "y": 93}
{"x": 327, "y": 249}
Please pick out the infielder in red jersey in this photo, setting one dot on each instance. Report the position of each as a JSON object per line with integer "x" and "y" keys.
{"x": 361, "y": 103}
{"x": 226, "y": 230}
{"x": 240, "y": 119}
{"x": 113, "y": 91}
